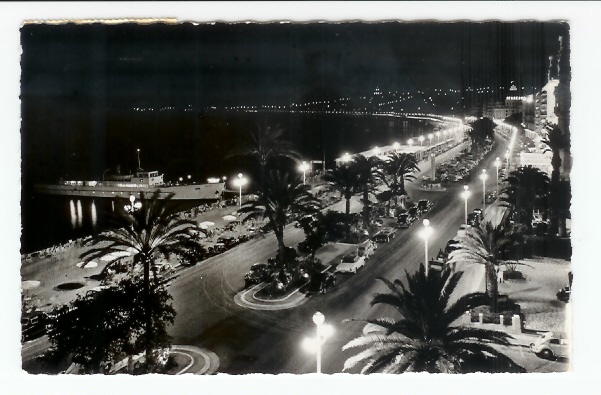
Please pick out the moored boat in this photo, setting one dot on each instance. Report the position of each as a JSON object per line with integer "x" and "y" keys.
{"x": 142, "y": 182}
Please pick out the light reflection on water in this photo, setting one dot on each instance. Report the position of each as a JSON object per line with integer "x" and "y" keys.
{"x": 73, "y": 214}
{"x": 79, "y": 214}
{"x": 93, "y": 211}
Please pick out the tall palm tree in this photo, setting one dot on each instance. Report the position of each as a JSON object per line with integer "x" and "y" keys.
{"x": 368, "y": 173}
{"x": 343, "y": 178}
{"x": 424, "y": 338}
{"x": 282, "y": 197}
{"x": 264, "y": 145}
{"x": 399, "y": 167}
{"x": 478, "y": 246}
{"x": 148, "y": 233}
{"x": 555, "y": 143}
{"x": 526, "y": 188}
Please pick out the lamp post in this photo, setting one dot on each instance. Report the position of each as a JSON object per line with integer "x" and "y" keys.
{"x": 421, "y": 140}
{"x": 465, "y": 195}
{"x": 483, "y": 177}
{"x": 410, "y": 142}
{"x": 346, "y": 157}
{"x": 507, "y": 158}
{"x": 430, "y": 138}
{"x": 133, "y": 206}
{"x": 396, "y": 146}
{"x": 239, "y": 182}
{"x": 497, "y": 164}
{"x": 322, "y": 331}
{"x": 304, "y": 167}
{"x": 438, "y": 137}
{"x": 376, "y": 151}
{"x": 139, "y": 165}
{"x": 426, "y": 231}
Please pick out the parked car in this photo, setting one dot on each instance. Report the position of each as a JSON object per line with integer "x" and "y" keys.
{"x": 33, "y": 325}
{"x": 413, "y": 212}
{"x": 473, "y": 219}
{"x": 350, "y": 263}
{"x": 227, "y": 241}
{"x": 404, "y": 220}
{"x": 424, "y": 205}
{"x": 383, "y": 236}
{"x": 366, "y": 249}
{"x": 551, "y": 345}
{"x": 257, "y": 274}
{"x": 564, "y": 294}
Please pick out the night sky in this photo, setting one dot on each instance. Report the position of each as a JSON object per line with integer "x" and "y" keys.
{"x": 80, "y": 83}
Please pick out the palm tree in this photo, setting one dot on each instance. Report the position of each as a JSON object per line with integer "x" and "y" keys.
{"x": 264, "y": 145}
{"x": 477, "y": 246}
{"x": 368, "y": 173}
{"x": 399, "y": 167}
{"x": 343, "y": 178}
{"x": 282, "y": 197}
{"x": 526, "y": 188}
{"x": 425, "y": 338}
{"x": 555, "y": 143}
{"x": 148, "y": 233}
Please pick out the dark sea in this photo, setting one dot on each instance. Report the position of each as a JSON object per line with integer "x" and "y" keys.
{"x": 175, "y": 143}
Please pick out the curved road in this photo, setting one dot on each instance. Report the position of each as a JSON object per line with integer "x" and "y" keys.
{"x": 251, "y": 341}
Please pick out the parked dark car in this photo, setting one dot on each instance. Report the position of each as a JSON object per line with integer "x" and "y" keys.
{"x": 33, "y": 325}
{"x": 258, "y": 273}
{"x": 564, "y": 294}
{"x": 424, "y": 205}
{"x": 413, "y": 212}
{"x": 473, "y": 219}
{"x": 382, "y": 237}
{"x": 404, "y": 220}
{"x": 227, "y": 241}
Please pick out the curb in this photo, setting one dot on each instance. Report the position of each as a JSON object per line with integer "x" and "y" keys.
{"x": 211, "y": 360}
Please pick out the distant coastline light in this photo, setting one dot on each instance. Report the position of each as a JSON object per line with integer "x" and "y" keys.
{"x": 213, "y": 180}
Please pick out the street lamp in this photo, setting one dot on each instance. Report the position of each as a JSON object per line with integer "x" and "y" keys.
{"x": 410, "y": 142}
{"x": 323, "y": 331}
{"x": 304, "y": 167}
{"x": 483, "y": 177}
{"x": 239, "y": 182}
{"x": 396, "y": 146}
{"x": 425, "y": 233}
{"x": 497, "y": 164}
{"x": 139, "y": 166}
{"x": 376, "y": 151}
{"x": 346, "y": 157}
{"x": 438, "y": 137}
{"x": 465, "y": 195}
{"x": 507, "y": 158}
{"x": 133, "y": 206}
{"x": 430, "y": 138}
{"x": 421, "y": 140}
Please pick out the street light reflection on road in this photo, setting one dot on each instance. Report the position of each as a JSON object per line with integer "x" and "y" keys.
{"x": 425, "y": 234}
{"x": 465, "y": 195}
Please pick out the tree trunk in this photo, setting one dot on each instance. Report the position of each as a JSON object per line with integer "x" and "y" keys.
{"x": 402, "y": 189}
{"x": 365, "y": 208}
{"x": 492, "y": 287}
{"x": 279, "y": 235}
{"x": 555, "y": 212}
{"x": 148, "y": 310}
